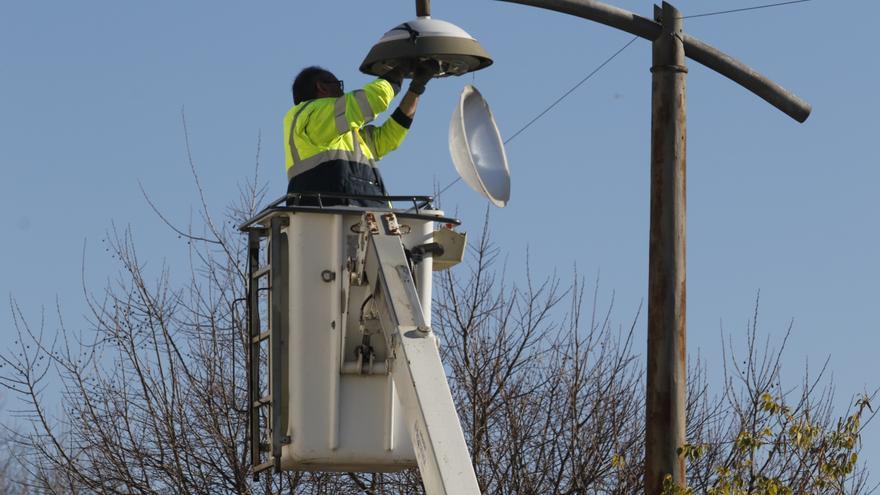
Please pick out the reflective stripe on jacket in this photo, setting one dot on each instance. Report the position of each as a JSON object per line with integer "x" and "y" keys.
{"x": 335, "y": 129}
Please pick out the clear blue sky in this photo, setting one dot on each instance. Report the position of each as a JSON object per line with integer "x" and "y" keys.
{"x": 91, "y": 94}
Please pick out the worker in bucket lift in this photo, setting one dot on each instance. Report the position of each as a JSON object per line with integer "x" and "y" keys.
{"x": 329, "y": 148}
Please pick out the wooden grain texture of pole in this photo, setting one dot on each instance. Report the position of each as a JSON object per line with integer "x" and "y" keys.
{"x": 423, "y": 8}
{"x": 666, "y": 380}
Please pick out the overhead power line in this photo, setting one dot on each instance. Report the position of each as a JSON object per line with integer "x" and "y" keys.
{"x": 557, "y": 101}
{"x": 612, "y": 57}
{"x": 744, "y": 9}
{"x": 570, "y": 91}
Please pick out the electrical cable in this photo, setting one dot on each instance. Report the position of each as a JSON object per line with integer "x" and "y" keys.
{"x": 576, "y": 86}
{"x": 612, "y": 57}
{"x": 550, "y": 107}
{"x": 745, "y": 9}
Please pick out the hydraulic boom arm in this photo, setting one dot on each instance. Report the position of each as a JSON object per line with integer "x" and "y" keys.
{"x": 418, "y": 374}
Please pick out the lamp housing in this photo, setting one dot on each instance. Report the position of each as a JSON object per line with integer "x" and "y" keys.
{"x": 422, "y": 39}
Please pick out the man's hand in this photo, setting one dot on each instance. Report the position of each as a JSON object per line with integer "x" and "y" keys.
{"x": 395, "y": 77}
{"x": 423, "y": 73}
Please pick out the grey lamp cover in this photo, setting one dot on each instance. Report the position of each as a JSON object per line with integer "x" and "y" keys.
{"x": 425, "y": 39}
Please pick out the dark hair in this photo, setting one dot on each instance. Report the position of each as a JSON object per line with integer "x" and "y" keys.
{"x": 303, "y": 88}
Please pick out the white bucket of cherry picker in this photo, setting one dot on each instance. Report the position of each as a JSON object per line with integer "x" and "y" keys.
{"x": 341, "y": 407}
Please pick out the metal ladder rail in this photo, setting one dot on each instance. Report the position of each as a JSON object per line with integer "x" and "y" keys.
{"x": 275, "y": 334}
{"x": 255, "y": 338}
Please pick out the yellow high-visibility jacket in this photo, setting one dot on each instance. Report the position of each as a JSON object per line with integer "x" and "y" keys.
{"x": 330, "y": 148}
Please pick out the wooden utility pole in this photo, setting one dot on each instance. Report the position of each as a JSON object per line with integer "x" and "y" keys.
{"x": 666, "y": 380}
{"x": 665, "y": 412}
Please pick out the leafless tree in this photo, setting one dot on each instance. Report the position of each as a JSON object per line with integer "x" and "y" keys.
{"x": 10, "y": 470}
{"x": 550, "y": 403}
{"x": 770, "y": 437}
{"x": 549, "y": 389}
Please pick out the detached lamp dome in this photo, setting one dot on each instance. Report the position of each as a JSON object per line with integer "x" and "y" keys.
{"x": 427, "y": 39}
{"x": 477, "y": 149}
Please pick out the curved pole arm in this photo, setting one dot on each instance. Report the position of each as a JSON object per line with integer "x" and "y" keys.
{"x": 774, "y": 94}
{"x": 697, "y": 50}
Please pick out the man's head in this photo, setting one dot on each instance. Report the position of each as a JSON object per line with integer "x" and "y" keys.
{"x": 315, "y": 82}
